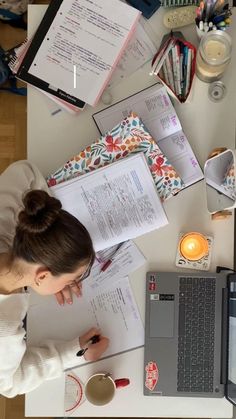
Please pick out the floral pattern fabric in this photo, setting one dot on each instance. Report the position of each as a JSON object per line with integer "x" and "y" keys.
{"x": 128, "y": 137}
{"x": 229, "y": 182}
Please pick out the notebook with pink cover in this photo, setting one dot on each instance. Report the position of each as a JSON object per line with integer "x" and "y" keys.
{"x": 76, "y": 48}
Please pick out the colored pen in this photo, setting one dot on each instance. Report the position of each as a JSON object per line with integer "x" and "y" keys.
{"x": 112, "y": 256}
{"x": 218, "y": 19}
{"x": 94, "y": 339}
{"x": 106, "y": 265}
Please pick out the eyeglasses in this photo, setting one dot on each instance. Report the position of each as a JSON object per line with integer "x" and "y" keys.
{"x": 85, "y": 274}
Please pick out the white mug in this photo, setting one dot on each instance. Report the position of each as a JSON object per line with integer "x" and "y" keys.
{"x": 100, "y": 388}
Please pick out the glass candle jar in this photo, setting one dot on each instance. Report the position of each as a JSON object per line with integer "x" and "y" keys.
{"x": 193, "y": 246}
{"x": 213, "y": 55}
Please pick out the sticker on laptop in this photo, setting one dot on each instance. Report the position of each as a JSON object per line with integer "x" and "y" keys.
{"x": 152, "y": 286}
{"x": 154, "y": 297}
{"x": 152, "y": 375}
{"x": 152, "y": 283}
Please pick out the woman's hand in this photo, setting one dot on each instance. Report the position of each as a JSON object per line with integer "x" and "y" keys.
{"x": 65, "y": 295}
{"x": 95, "y": 350}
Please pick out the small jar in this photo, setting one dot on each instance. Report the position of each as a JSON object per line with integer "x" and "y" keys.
{"x": 213, "y": 55}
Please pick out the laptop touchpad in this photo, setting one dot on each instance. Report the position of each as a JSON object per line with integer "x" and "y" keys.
{"x": 162, "y": 319}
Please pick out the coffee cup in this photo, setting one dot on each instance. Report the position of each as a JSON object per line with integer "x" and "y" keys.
{"x": 100, "y": 388}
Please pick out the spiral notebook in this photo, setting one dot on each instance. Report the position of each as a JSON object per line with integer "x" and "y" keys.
{"x": 176, "y": 3}
{"x": 76, "y": 48}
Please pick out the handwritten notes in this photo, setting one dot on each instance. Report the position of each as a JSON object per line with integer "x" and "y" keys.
{"x": 113, "y": 309}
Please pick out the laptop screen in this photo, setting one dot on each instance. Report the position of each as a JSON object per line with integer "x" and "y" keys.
{"x": 231, "y": 384}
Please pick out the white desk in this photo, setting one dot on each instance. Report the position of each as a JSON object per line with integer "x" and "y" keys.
{"x": 51, "y": 140}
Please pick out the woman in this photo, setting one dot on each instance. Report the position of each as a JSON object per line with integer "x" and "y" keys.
{"x": 44, "y": 248}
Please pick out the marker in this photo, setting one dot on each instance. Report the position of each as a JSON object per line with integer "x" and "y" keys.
{"x": 106, "y": 265}
{"x": 205, "y": 27}
{"x": 219, "y": 18}
{"x": 201, "y": 25}
{"x": 111, "y": 257}
{"x": 91, "y": 341}
{"x": 221, "y": 24}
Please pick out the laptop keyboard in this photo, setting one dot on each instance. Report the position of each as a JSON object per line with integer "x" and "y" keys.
{"x": 196, "y": 334}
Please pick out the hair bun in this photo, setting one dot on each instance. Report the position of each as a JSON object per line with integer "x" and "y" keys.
{"x": 40, "y": 212}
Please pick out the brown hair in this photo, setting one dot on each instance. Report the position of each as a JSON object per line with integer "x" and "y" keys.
{"x": 48, "y": 235}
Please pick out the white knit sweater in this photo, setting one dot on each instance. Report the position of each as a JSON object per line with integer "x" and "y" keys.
{"x": 23, "y": 368}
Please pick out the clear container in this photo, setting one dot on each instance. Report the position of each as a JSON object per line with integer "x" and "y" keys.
{"x": 213, "y": 55}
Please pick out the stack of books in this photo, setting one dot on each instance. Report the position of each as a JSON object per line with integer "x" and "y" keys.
{"x": 76, "y": 48}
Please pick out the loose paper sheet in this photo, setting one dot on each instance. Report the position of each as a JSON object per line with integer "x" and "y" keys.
{"x": 154, "y": 107}
{"x": 139, "y": 51}
{"x": 125, "y": 260}
{"x": 116, "y": 203}
{"x": 113, "y": 309}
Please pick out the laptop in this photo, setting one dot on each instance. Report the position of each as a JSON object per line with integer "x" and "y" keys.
{"x": 190, "y": 335}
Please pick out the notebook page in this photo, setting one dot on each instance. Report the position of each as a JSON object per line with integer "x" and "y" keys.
{"x": 86, "y": 38}
{"x": 152, "y": 105}
{"x": 180, "y": 154}
{"x": 113, "y": 309}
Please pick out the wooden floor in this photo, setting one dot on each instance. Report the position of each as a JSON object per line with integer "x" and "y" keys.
{"x": 12, "y": 148}
{"x": 12, "y": 109}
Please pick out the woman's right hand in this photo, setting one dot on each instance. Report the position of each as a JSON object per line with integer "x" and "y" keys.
{"x": 95, "y": 350}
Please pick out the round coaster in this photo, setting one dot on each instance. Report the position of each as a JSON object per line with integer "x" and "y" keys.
{"x": 217, "y": 91}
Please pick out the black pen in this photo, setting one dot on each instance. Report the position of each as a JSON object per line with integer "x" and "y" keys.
{"x": 94, "y": 339}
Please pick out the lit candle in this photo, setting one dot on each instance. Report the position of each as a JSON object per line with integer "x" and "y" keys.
{"x": 193, "y": 246}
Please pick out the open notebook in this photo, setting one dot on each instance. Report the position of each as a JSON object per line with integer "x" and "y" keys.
{"x": 157, "y": 113}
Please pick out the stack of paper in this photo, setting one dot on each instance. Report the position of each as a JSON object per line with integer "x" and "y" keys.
{"x": 115, "y": 203}
{"x": 107, "y": 302}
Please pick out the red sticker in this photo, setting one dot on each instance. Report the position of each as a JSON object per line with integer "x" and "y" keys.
{"x": 152, "y": 286}
{"x": 152, "y": 375}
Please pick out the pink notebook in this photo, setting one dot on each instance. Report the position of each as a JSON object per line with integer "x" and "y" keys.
{"x": 76, "y": 48}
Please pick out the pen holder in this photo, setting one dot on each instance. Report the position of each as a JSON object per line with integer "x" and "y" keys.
{"x": 174, "y": 65}
{"x": 220, "y": 182}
